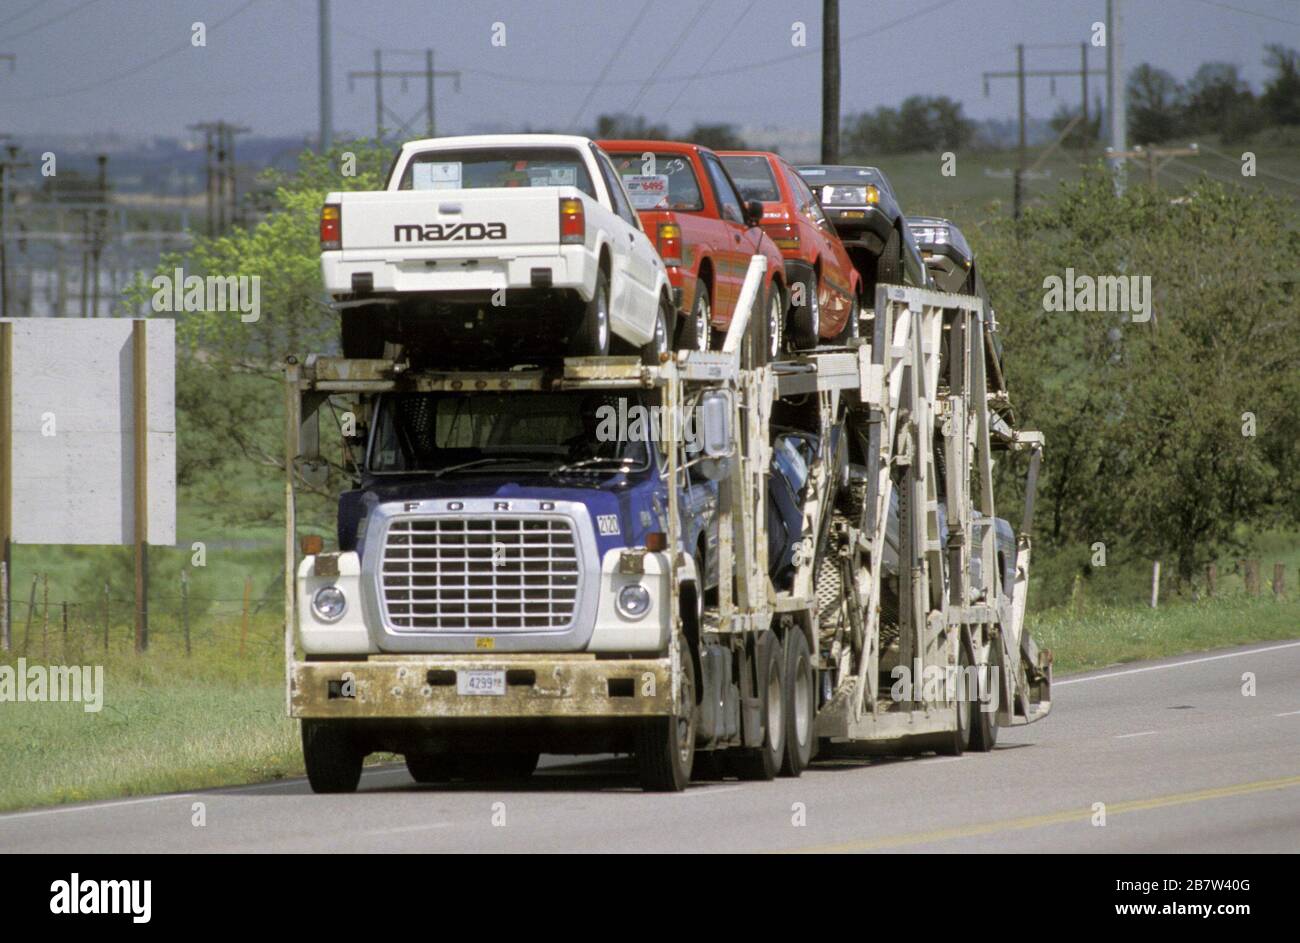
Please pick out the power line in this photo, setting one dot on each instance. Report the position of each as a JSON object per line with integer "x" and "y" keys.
{"x": 54, "y": 19}
{"x": 609, "y": 64}
{"x": 668, "y": 56}
{"x": 1262, "y": 16}
{"x": 1258, "y": 170}
{"x": 709, "y": 58}
{"x": 136, "y": 69}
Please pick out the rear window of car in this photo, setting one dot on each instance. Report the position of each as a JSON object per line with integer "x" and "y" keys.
{"x": 753, "y": 175}
{"x": 658, "y": 180}
{"x": 481, "y": 168}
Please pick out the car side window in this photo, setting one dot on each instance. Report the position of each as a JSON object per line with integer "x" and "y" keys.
{"x": 808, "y": 204}
{"x": 729, "y": 202}
{"x": 622, "y": 206}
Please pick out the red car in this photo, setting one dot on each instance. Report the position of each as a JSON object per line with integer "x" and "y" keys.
{"x": 706, "y": 234}
{"x": 814, "y": 256}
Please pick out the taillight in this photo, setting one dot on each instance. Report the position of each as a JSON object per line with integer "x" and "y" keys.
{"x": 573, "y": 222}
{"x": 331, "y": 226}
{"x": 670, "y": 243}
{"x": 784, "y": 235}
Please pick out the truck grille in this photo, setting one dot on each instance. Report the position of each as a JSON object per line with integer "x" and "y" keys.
{"x": 491, "y": 574}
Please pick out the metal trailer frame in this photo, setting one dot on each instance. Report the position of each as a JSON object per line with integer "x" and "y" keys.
{"x": 920, "y": 381}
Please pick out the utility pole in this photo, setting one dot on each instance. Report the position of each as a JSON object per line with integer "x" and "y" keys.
{"x": 1116, "y": 104}
{"x": 429, "y": 74}
{"x": 830, "y": 81}
{"x": 326, "y": 84}
{"x": 222, "y": 199}
{"x": 1020, "y": 74}
{"x": 6, "y": 165}
{"x": 1154, "y": 157}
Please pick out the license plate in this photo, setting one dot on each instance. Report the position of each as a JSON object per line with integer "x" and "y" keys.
{"x": 481, "y": 682}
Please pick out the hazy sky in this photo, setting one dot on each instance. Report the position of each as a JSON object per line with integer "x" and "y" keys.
{"x": 128, "y": 65}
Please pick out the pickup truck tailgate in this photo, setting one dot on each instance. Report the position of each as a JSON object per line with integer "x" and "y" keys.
{"x": 450, "y": 223}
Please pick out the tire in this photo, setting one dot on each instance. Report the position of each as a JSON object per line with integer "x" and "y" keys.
{"x": 807, "y": 317}
{"x": 660, "y": 343}
{"x": 592, "y": 337}
{"x": 495, "y": 767}
{"x": 851, "y": 330}
{"x": 333, "y": 761}
{"x": 955, "y": 743}
{"x": 774, "y": 325}
{"x": 889, "y": 264}
{"x": 984, "y": 724}
{"x": 801, "y": 704}
{"x": 665, "y": 746}
{"x": 697, "y": 330}
{"x": 426, "y": 768}
{"x": 764, "y": 762}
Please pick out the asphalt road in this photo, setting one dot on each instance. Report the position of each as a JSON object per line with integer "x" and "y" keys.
{"x": 1181, "y": 758}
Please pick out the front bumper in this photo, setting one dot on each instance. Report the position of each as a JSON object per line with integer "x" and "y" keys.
{"x": 538, "y": 686}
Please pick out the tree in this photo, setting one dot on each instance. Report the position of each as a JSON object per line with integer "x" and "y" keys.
{"x": 1155, "y": 100}
{"x": 920, "y": 123}
{"x": 632, "y": 127}
{"x": 720, "y": 137}
{"x": 1281, "y": 98}
{"x": 1214, "y": 94}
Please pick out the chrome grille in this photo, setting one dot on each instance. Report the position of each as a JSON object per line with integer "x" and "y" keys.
{"x": 494, "y": 574}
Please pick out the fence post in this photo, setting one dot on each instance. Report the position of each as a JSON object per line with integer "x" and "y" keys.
{"x": 107, "y": 601}
{"x": 243, "y": 631}
{"x": 5, "y": 642}
{"x": 1252, "y": 577}
{"x": 1211, "y": 578}
{"x": 65, "y": 631}
{"x": 45, "y": 616}
{"x": 31, "y": 611}
{"x": 185, "y": 608}
{"x": 1155, "y": 585}
{"x": 1279, "y": 579}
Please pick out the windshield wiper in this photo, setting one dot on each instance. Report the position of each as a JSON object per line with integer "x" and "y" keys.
{"x": 438, "y": 473}
{"x": 589, "y": 463}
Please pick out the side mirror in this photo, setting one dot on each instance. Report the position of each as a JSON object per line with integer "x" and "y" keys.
{"x": 753, "y": 212}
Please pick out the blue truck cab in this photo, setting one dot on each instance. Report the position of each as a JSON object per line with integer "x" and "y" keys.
{"x": 510, "y": 522}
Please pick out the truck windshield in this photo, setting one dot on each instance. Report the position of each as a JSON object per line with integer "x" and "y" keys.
{"x": 476, "y": 168}
{"x": 753, "y": 175}
{"x": 658, "y": 180}
{"x": 578, "y": 432}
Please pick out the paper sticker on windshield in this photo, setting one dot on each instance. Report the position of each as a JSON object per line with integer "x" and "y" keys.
{"x": 607, "y": 524}
{"x": 647, "y": 191}
{"x": 436, "y": 176}
{"x": 552, "y": 176}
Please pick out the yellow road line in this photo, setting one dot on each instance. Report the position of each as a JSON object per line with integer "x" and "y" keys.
{"x": 1055, "y": 818}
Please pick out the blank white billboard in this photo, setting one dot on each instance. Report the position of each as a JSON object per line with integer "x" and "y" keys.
{"x": 73, "y": 431}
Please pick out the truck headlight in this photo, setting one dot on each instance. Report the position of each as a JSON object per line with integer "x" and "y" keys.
{"x": 633, "y": 600}
{"x": 329, "y": 604}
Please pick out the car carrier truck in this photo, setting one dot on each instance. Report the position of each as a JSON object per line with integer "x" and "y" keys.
{"x": 671, "y": 603}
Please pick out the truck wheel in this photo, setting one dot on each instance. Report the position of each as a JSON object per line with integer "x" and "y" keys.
{"x": 807, "y": 317}
{"x": 665, "y": 746}
{"x": 430, "y": 767}
{"x": 800, "y": 704}
{"x": 333, "y": 761}
{"x": 659, "y": 344}
{"x": 592, "y": 336}
{"x": 889, "y": 264}
{"x": 953, "y": 744}
{"x": 984, "y": 724}
{"x": 764, "y": 762}
{"x": 697, "y": 328}
{"x": 496, "y": 767}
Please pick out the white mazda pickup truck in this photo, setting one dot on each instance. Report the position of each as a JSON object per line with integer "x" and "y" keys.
{"x": 480, "y": 240}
